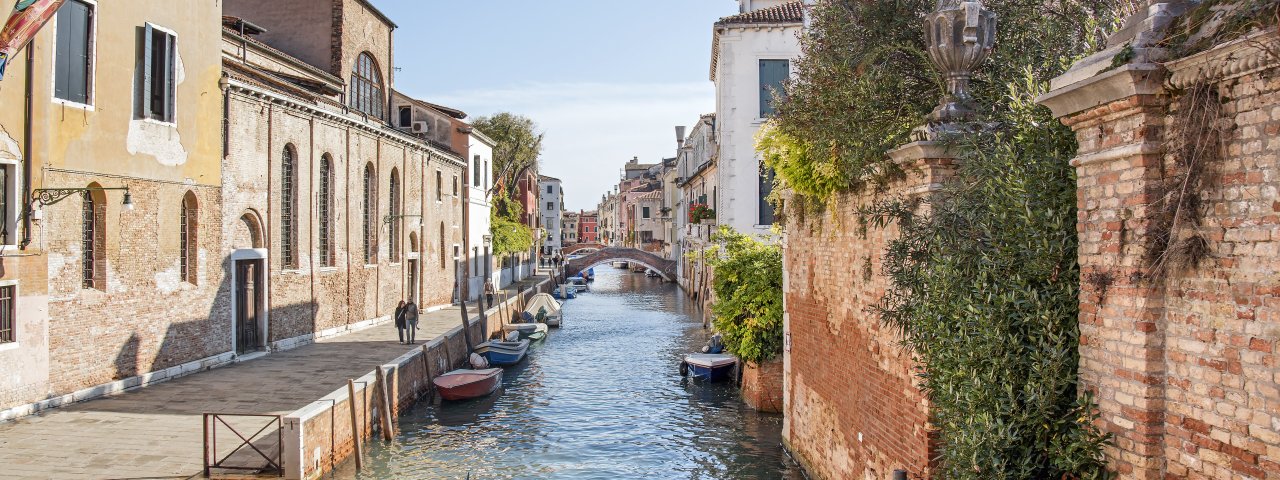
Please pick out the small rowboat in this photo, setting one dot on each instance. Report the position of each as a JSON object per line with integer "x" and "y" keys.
{"x": 527, "y": 330}
{"x": 503, "y": 353}
{"x": 467, "y": 384}
{"x": 708, "y": 367}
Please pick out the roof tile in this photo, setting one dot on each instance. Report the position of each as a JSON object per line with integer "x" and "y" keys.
{"x": 790, "y": 12}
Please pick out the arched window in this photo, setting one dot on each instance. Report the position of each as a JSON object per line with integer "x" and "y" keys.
{"x": 442, "y": 245}
{"x": 289, "y": 208}
{"x": 370, "y": 211}
{"x": 93, "y": 239}
{"x": 326, "y": 211}
{"x": 394, "y": 212}
{"x": 187, "y": 239}
{"x": 365, "y": 89}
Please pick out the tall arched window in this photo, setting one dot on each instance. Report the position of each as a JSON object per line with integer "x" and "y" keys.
{"x": 366, "y": 86}
{"x": 289, "y": 208}
{"x": 187, "y": 239}
{"x": 394, "y": 213}
{"x": 326, "y": 211}
{"x": 93, "y": 239}
{"x": 370, "y": 211}
{"x": 442, "y": 245}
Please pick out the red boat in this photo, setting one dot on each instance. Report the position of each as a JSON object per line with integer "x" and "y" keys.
{"x": 467, "y": 384}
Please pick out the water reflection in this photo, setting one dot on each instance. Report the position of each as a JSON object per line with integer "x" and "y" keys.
{"x": 601, "y": 398}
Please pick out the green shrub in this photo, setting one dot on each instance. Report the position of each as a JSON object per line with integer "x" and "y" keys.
{"x": 748, "y": 289}
{"x": 985, "y": 288}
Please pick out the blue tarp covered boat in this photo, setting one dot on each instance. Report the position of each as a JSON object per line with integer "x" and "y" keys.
{"x": 710, "y": 367}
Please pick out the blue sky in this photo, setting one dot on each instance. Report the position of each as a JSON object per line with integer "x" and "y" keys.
{"x": 606, "y": 80}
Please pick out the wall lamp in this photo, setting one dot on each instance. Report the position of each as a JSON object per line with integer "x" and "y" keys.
{"x": 42, "y": 197}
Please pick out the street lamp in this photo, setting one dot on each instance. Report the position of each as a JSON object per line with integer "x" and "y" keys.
{"x": 42, "y": 197}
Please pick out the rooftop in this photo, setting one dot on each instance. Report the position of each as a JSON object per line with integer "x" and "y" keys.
{"x": 790, "y": 12}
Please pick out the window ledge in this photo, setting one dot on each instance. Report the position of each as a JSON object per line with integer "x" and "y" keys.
{"x": 327, "y": 269}
{"x": 159, "y": 122}
{"x": 4, "y": 347}
{"x": 74, "y": 104}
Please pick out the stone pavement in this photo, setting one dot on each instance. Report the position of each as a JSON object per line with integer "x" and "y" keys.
{"x": 156, "y": 432}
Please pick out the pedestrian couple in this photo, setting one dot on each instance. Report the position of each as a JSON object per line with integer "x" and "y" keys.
{"x": 406, "y": 321}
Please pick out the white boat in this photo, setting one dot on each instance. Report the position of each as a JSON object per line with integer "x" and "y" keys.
{"x": 578, "y": 284}
{"x": 525, "y": 329}
{"x": 547, "y": 306}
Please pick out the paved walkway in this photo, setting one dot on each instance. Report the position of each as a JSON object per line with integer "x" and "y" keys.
{"x": 156, "y": 432}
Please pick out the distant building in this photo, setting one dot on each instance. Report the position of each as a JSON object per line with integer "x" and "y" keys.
{"x": 550, "y": 208}
{"x": 569, "y": 229}
{"x": 588, "y": 227}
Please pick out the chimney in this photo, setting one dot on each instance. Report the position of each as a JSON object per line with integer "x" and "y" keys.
{"x": 679, "y": 136}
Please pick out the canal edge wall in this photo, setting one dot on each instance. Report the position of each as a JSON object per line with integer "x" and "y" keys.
{"x": 319, "y": 436}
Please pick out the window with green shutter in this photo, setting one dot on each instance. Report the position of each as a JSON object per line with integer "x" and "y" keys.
{"x": 773, "y": 76}
{"x": 72, "y": 63}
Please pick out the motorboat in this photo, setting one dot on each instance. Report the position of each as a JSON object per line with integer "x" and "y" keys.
{"x": 543, "y": 308}
{"x": 578, "y": 284}
{"x": 590, "y": 274}
{"x": 526, "y": 330}
{"x": 564, "y": 292}
{"x": 503, "y": 353}
{"x": 466, "y": 384}
{"x": 651, "y": 273}
{"x": 708, "y": 367}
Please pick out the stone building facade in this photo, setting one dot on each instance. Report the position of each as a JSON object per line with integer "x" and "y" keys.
{"x": 96, "y": 291}
{"x": 350, "y": 214}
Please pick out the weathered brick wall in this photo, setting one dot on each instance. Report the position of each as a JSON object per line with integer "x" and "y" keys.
{"x": 310, "y": 296}
{"x": 1183, "y": 361}
{"x": 852, "y": 407}
{"x": 146, "y": 318}
{"x": 762, "y": 386}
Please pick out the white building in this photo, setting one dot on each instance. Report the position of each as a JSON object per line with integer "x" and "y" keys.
{"x": 753, "y": 54}
{"x": 551, "y": 209}
{"x": 479, "y": 239}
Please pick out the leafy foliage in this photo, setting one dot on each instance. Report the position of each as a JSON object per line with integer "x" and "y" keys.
{"x": 865, "y": 82}
{"x": 509, "y": 236}
{"x": 519, "y": 144}
{"x": 748, "y": 292}
{"x": 985, "y": 285}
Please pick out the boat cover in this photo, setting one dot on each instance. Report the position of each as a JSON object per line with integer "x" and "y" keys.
{"x": 707, "y": 360}
{"x": 543, "y": 300}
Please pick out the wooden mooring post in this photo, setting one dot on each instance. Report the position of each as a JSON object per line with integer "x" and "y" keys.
{"x": 386, "y": 404}
{"x": 356, "y": 431}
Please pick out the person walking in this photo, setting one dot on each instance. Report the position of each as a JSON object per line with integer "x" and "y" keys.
{"x": 400, "y": 317}
{"x": 411, "y": 320}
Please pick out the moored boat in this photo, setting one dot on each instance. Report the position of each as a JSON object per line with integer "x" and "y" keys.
{"x": 708, "y": 367}
{"x": 466, "y": 384}
{"x": 543, "y": 308}
{"x": 503, "y": 353}
{"x": 578, "y": 284}
{"x": 526, "y": 330}
{"x": 564, "y": 292}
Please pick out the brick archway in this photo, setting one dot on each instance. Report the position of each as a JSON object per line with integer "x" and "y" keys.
{"x": 664, "y": 267}
{"x": 570, "y": 250}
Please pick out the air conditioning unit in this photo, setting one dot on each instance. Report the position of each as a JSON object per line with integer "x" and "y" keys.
{"x": 421, "y": 127}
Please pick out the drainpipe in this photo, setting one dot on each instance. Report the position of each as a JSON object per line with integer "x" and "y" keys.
{"x": 26, "y": 147}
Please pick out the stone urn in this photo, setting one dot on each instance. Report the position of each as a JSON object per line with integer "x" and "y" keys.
{"x": 959, "y": 36}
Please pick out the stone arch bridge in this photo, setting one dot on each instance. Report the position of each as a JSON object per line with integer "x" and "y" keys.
{"x": 581, "y": 247}
{"x": 664, "y": 267}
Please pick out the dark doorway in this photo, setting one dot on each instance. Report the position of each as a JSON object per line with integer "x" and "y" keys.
{"x": 248, "y": 306}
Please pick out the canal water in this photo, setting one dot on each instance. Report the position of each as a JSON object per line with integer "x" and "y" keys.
{"x": 600, "y": 398}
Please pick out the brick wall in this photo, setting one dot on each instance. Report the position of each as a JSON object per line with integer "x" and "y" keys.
{"x": 146, "y": 318}
{"x": 310, "y": 296}
{"x": 852, "y": 407}
{"x": 762, "y": 386}
{"x": 1182, "y": 361}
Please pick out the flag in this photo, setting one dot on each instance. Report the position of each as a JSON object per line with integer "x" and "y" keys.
{"x": 27, "y": 18}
